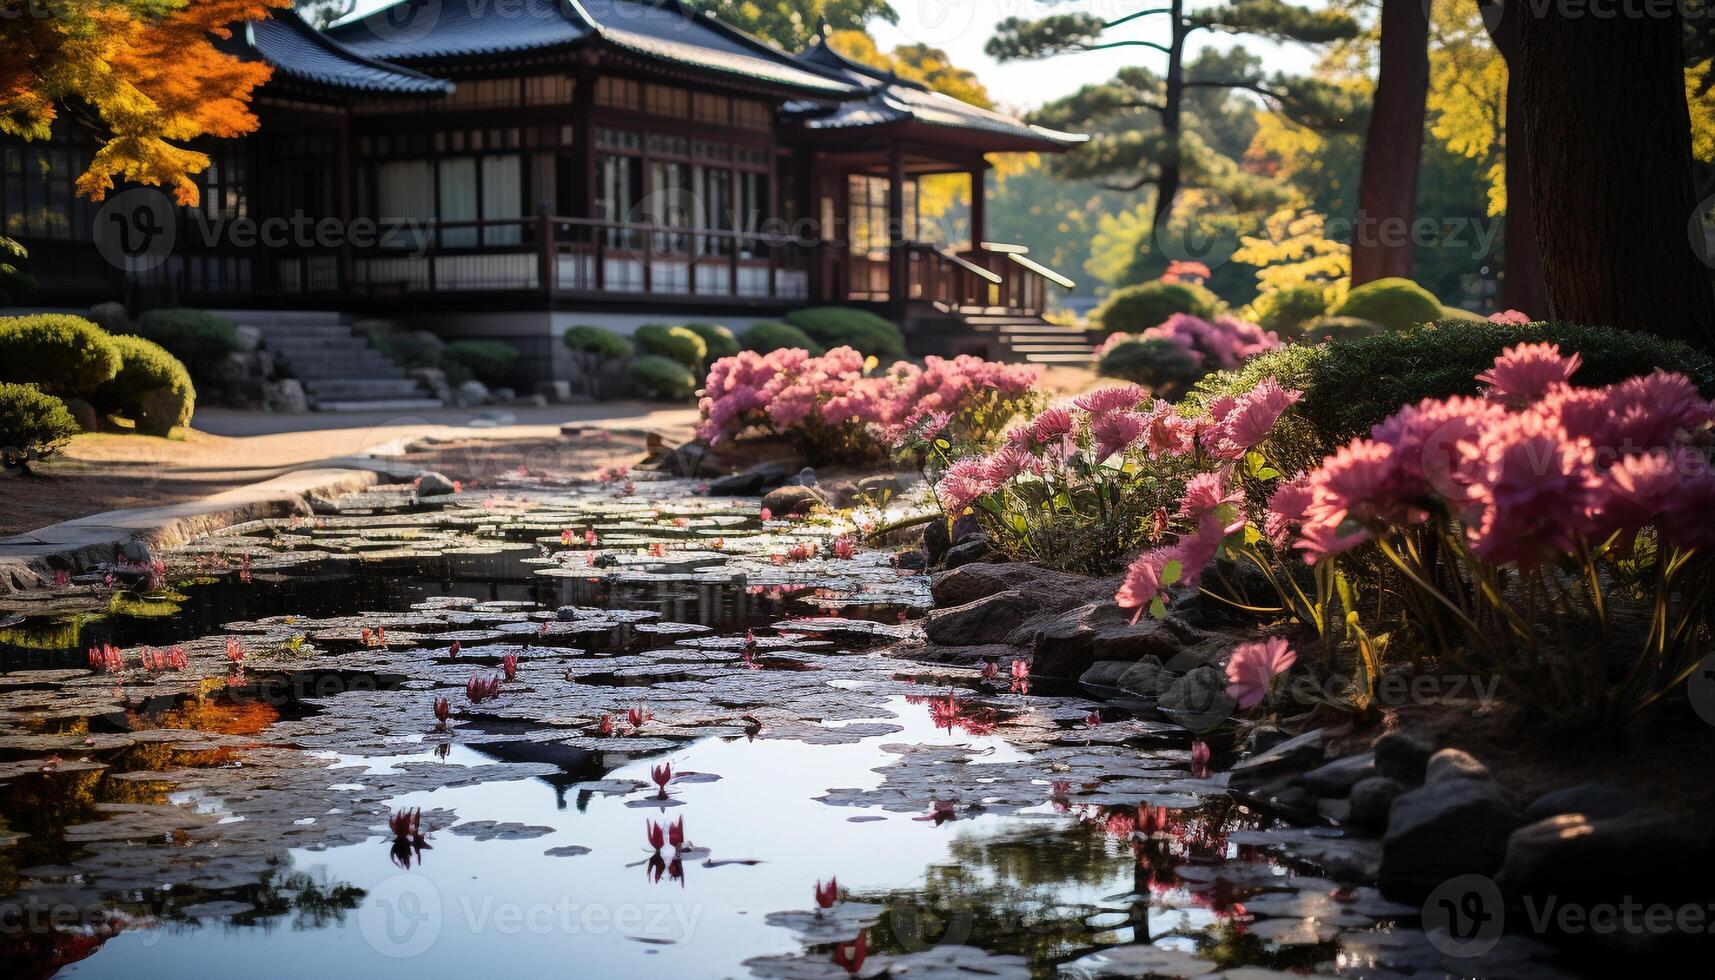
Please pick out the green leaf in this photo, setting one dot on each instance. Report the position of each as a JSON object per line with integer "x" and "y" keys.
{"x": 1157, "y": 608}
{"x": 1171, "y": 571}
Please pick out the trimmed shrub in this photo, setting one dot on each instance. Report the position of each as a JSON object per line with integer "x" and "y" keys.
{"x": 63, "y": 354}
{"x": 31, "y": 420}
{"x": 1160, "y": 365}
{"x": 1287, "y": 311}
{"x": 1455, "y": 313}
{"x": 1337, "y": 328}
{"x": 602, "y": 344}
{"x": 1135, "y": 309}
{"x": 662, "y": 377}
{"x": 720, "y": 341}
{"x": 1349, "y": 387}
{"x": 413, "y": 349}
{"x": 196, "y": 337}
{"x": 772, "y": 335}
{"x": 844, "y": 326}
{"x": 674, "y": 343}
{"x": 152, "y": 388}
{"x": 490, "y": 361}
{"x": 1395, "y": 303}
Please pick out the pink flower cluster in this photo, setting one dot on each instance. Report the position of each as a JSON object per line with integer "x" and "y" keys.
{"x": 790, "y": 389}
{"x": 1529, "y": 470}
{"x": 1218, "y": 344}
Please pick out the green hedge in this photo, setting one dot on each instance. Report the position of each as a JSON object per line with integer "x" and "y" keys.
{"x": 1395, "y": 303}
{"x": 1160, "y": 365}
{"x": 720, "y": 341}
{"x": 490, "y": 361}
{"x": 30, "y": 419}
{"x": 152, "y": 388}
{"x": 674, "y": 343}
{"x": 64, "y": 354}
{"x": 768, "y": 335}
{"x": 603, "y": 344}
{"x": 662, "y": 377}
{"x": 1135, "y": 309}
{"x": 837, "y": 326}
{"x": 1350, "y": 386}
{"x": 201, "y": 340}
{"x": 1286, "y": 311}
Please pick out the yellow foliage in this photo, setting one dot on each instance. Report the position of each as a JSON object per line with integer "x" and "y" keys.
{"x": 149, "y": 71}
{"x": 1702, "y": 106}
{"x": 1293, "y": 250}
{"x": 1467, "y": 97}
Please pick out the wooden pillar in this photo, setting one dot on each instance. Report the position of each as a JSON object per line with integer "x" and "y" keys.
{"x": 979, "y": 205}
{"x": 347, "y": 258}
{"x": 898, "y": 288}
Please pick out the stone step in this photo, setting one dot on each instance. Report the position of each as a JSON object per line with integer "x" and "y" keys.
{"x": 361, "y": 387}
{"x": 286, "y": 318}
{"x": 381, "y": 405}
{"x": 292, "y": 340}
{"x": 1082, "y": 350}
{"x": 1057, "y": 358}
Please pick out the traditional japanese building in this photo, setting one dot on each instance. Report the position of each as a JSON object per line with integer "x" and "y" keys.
{"x": 509, "y": 167}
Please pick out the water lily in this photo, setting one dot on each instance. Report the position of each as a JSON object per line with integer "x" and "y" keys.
{"x": 479, "y": 689}
{"x": 234, "y": 650}
{"x": 1200, "y": 759}
{"x": 1020, "y": 670}
{"x": 589, "y": 537}
{"x": 767, "y": 515}
{"x": 443, "y": 711}
{"x": 509, "y": 664}
{"x": 62, "y": 578}
{"x": 1093, "y": 719}
{"x": 1060, "y": 787}
{"x": 991, "y": 670}
{"x": 850, "y": 956}
{"x": 656, "y": 835}
{"x": 676, "y": 833}
{"x": 844, "y": 549}
{"x": 662, "y": 775}
{"x": 658, "y": 549}
{"x": 605, "y": 725}
{"x": 637, "y": 716}
{"x": 827, "y": 893}
{"x": 407, "y": 825}
{"x": 455, "y": 648}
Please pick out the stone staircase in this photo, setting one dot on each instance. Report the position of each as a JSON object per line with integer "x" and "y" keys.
{"x": 1032, "y": 339}
{"x": 340, "y": 372}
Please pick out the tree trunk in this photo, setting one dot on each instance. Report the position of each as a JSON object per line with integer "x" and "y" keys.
{"x": 1393, "y": 147}
{"x": 1521, "y": 267}
{"x": 1168, "y": 168}
{"x": 1610, "y": 170}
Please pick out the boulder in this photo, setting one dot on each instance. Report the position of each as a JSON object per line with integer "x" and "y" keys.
{"x": 83, "y": 413}
{"x": 1639, "y": 856}
{"x": 136, "y": 551}
{"x": 911, "y": 560}
{"x": 432, "y": 484}
{"x": 249, "y": 338}
{"x": 1337, "y": 778}
{"x": 1436, "y": 832}
{"x": 555, "y": 391}
{"x": 472, "y": 392}
{"x": 285, "y": 396}
{"x": 1198, "y": 700}
{"x": 1593, "y": 801}
{"x": 805, "y": 477}
{"x": 985, "y": 620}
{"x": 936, "y": 541}
{"x": 965, "y": 656}
{"x": 1068, "y": 641}
{"x": 1144, "y": 679}
{"x": 972, "y": 549}
{"x": 791, "y": 499}
{"x": 1264, "y": 737}
{"x": 1403, "y": 756}
{"x": 978, "y": 579}
{"x": 877, "y": 489}
{"x": 1370, "y": 801}
{"x": 751, "y": 482}
{"x": 1279, "y": 765}
{"x": 503, "y": 396}
{"x": 1453, "y": 764}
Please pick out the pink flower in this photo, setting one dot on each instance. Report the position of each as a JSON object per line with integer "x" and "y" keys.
{"x": 1206, "y": 492}
{"x": 1168, "y": 431}
{"x": 1286, "y": 507}
{"x": 1510, "y": 317}
{"x": 1052, "y": 424}
{"x": 1523, "y": 373}
{"x": 827, "y": 893}
{"x": 1639, "y": 489}
{"x": 655, "y": 834}
{"x": 1010, "y": 461}
{"x": 963, "y": 483}
{"x": 661, "y": 775}
{"x": 1253, "y": 666}
{"x": 1104, "y": 400}
{"x": 1200, "y": 759}
{"x": 1535, "y": 491}
{"x": 1115, "y": 431}
{"x": 1251, "y": 418}
{"x": 1142, "y": 584}
{"x": 509, "y": 665}
{"x": 844, "y": 548}
{"x": 1348, "y": 490}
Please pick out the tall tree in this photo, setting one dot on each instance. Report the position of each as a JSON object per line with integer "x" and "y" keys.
{"x": 1393, "y": 148}
{"x": 143, "y": 75}
{"x": 793, "y": 24}
{"x": 1603, "y": 109}
{"x": 1016, "y": 38}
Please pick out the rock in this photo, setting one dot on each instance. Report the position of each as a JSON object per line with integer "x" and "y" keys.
{"x": 791, "y": 499}
{"x": 1403, "y": 756}
{"x": 136, "y": 551}
{"x": 965, "y": 527}
{"x": 1198, "y": 700}
{"x": 1640, "y": 856}
{"x": 110, "y": 317}
{"x": 555, "y": 391}
{"x": 1068, "y": 641}
{"x": 1264, "y": 737}
{"x": 159, "y": 410}
{"x": 879, "y": 489}
{"x": 972, "y": 549}
{"x": 285, "y": 396}
{"x": 249, "y": 338}
{"x": 435, "y": 380}
{"x": 531, "y": 401}
{"x": 805, "y": 477}
{"x": 978, "y": 579}
{"x": 503, "y": 396}
{"x": 432, "y": 484}
{"x": 1453, "y": 764}
{"x": 1337, "y": 778}
{"x": 1594, "y": 801}
{"x": 911, "y": 560}
{"x": 986, "y": 620}
{"x": 83, "y": 413}
{"x": 1294, "y": 798}
{"x": 936, "y": 540}
{"x": 1279, "y": 764}
{"x": 751, "y": 482}
{"x": 1144, "y": 679}
{"x": 1370, "y": 800}
{"x": 1000, "y": 653}
{"x": 472, "y": 392}
{"x": 1436, "y": 832}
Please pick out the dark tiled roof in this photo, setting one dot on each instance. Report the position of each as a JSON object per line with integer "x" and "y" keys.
{"x": 894, "y": 99}
{"x": 412, "y": 30}
{"x": 297, "y": 50}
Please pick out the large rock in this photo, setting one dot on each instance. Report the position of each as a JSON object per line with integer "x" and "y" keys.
{"x": 249, "y": 338}
{"x": 1639, "y": 856}
{"x": 1594, "y": 801}
{"x": 975, "y": 548}
{"x": 1279, "y": 765}
{"x": 1144, "y": 679}
{"x": 986, "y": 620}
{"x": 936, "y": 540}
{"x": 1453, "y": 764}
{"x": 1067, "y": 642}
{"x": 751, "y": 482}
{"x": 472, "y": 392}
{"x": 1197, "y": 700}
{"x": 791, "y": 499}
{"x": 1370, "y": 800}
{"x": 1338, "y": 777}
{"x": 285, "y": 396}
{"x": 1403, "y": 756}
{"x": 974, "y": 581}
{"x": 432, "y": 484}
{"x": 83, "y": 413}
{"x": 1456, "y": 827}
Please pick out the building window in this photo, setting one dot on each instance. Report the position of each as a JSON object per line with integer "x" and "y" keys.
{"x": 618, "y": 93}
{"x": 661, "y": 100}
{"x": 38, "y": 199}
